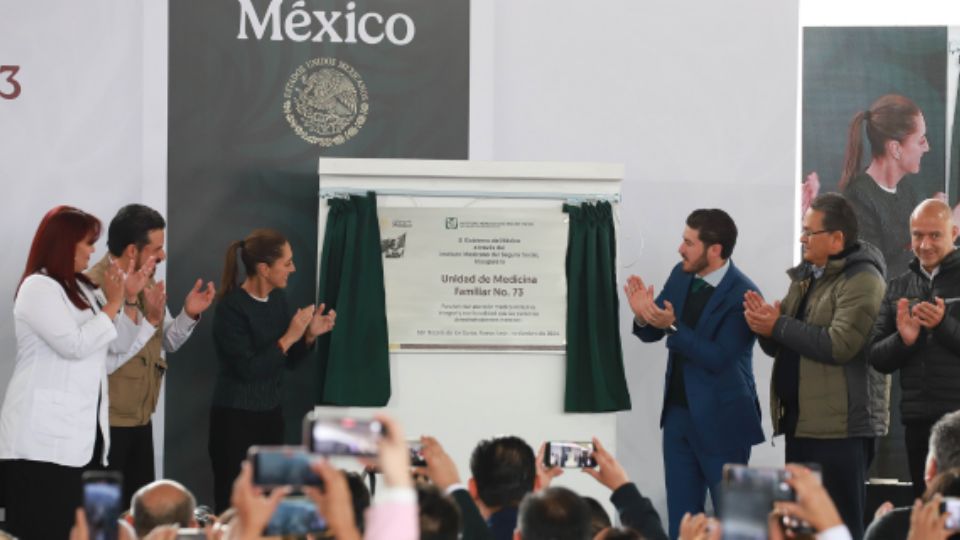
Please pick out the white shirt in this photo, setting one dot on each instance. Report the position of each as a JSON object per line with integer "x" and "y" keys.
{"x": 50, "y": 410}
{"x": 176, "y": 331}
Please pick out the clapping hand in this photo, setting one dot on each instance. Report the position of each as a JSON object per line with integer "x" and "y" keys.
{"x": 155, "y": 302}
{"x": 642, "y": 302}
{"x": 320, "y": 323}
{"x": 113, "y": 284}
{"x": 298, "y": 325}
{"x": 136, "y": 280}
{"x": 637, "y": 295}
{"x": 198, "y": 300}
{"x": 929, "y": 314}
{"x": 761, "y": 316}
{"x": 908, "y": 326}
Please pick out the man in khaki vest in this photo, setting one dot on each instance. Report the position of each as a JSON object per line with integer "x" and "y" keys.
{"x": 136, "y": 234}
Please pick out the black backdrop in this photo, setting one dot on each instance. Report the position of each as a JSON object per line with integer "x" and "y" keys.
{"x": 235, "y": 163}
{"x": 844, "y": 70}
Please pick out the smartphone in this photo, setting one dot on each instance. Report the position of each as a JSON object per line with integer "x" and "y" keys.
{"x": 569, "y": 454}
{"x": 103, "y": 503}
{"x": 744, "y": 511}
{"x": 295, "y": 516}
{"x": 952, "y": 505}
{"x": 275, "y": 466}
{"x": 341, "y": 436}
{"x": 764, "y": 479}
{"x": 416, "y": 456}
{"x": 772, "y": 483}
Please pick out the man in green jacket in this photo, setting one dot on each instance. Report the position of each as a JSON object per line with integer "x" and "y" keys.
{"x": 825, "y": 398}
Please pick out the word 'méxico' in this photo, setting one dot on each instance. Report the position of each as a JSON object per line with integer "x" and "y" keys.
{"x": 299, "y": 24}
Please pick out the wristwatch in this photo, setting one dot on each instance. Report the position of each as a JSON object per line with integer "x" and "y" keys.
{"x": 670, "y": 330}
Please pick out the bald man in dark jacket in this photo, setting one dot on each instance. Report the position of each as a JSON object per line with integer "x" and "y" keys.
{"x": 918, "y": 331}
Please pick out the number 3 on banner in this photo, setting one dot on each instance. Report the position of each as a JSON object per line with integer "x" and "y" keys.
{"x": 14, "y": 85}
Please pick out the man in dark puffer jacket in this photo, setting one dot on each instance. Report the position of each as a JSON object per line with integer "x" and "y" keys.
{"x": 918, "y": 330}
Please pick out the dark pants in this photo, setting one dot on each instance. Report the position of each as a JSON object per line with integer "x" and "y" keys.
{"x": 691, "y": 466}
{"x": 844, "y": 463}
{"x": 232, "y": 432}
{"x": 131, "y": 453}
{"x": 42, "y": 498}
{"x": 917, "y": 437}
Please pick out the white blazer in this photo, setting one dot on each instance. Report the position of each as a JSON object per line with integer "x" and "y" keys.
{"x": 50, "y": 410}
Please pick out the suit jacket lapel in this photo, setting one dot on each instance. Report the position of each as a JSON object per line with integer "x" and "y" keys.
{"x": 718, "y": 297}
{"x": 680, "y": 298}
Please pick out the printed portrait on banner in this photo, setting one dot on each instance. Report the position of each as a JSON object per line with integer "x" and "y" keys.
{"x": 877, "y": 111}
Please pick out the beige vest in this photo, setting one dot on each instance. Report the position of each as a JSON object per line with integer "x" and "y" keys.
{"x": 134, "y": 387}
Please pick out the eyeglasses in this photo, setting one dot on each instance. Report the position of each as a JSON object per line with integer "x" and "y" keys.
{"x": 808, "y": 234}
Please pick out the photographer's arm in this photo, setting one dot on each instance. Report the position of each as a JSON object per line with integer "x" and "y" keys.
{"x": 443, "y": 473}
{"x": 636, "y": 511}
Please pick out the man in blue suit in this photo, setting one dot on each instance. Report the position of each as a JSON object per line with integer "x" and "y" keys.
{"x": 711, "y": 415}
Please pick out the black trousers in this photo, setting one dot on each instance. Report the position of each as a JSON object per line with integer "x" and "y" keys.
{"x": 131, "y": 453}
{"x": 916, "y": 434}
{"x": 844, "y": 463}
{"x": 232, "y": 432}
{"x": 42, "y": 498}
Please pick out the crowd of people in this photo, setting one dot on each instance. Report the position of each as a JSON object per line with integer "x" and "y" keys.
{"x": 92, "y": 345}
{"x": 509, "y": 496}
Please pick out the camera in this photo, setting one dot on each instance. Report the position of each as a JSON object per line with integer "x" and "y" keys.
{"x": 102, "y": 503}
{"x": 295, "y": 516}
{"x": 275, "y": 466}
{"x": 569, "y": 454}
{"x": 341, "y": 436}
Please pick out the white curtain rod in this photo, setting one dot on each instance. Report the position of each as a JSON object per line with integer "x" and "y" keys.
{"x": 328, "y": 193}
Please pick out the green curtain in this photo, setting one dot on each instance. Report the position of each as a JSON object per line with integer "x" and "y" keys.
{"x": 595, "y": 378}
{"x": 354, "y": 357}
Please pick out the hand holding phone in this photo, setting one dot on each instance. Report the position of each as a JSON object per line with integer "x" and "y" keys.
{"x": 102, "y": 503}
{"x": 342, "y": 436}
{"x": 275, "y": 466}
{"x": 951, "y": 505}
{"x": 569, "y": 454}
{"x": 416, "y": 453}
{"x": 441, "y": 470}
{"x": 295, "y": 516}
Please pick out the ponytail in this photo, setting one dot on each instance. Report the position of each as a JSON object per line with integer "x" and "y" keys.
{"x": 891, "y": 117}
{"x": 261, "y": 246}
{"x": 229, "y": 280}
{"x": 853, "y": 155}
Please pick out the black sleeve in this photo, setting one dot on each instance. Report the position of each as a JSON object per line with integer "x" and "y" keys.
{"x": 769, "y": 346}
{"x": 474, "y": 526}
{"x": 886, "y": 351}
{"x": 947, "y": 333}
{"x": 637, "y": 512}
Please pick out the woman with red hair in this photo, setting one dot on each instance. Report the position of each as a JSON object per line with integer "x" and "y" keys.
{"x": 54, "y": 422}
